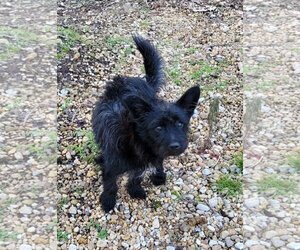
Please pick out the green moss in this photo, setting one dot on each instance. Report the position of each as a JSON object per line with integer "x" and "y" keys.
{"x": 62, "y": 235}
{"x": 203, "y": 69}
{"x": 229, "y": 186}
{"x": 102, "y": 234}
{"x": 68, "y": 39}
{"x": 238, "y": 160}
{"x": 294, "y": 161}
{"x": 6, "y": 235}
{"x": 88, "y": 149}
{"x": 18, "y": 38}
{"x": 277, "y": 186}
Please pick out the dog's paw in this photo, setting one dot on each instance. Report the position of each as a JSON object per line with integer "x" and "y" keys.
{"x": 107, "y": 202}
{"x": 137, "y": 193}
{"x": 158, "y": 179}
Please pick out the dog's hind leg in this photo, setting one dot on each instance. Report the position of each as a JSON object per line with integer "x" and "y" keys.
{"x": 134, "y": 187}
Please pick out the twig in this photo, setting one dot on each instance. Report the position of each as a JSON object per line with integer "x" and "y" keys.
{"x": 216, "y": 162}
{"x": 258, "y": 162}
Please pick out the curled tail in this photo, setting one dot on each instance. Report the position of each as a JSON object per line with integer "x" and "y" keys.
{"x": 152, "y": 61}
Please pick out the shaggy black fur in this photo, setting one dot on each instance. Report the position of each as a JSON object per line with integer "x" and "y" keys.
{"x": 137, "y": 130}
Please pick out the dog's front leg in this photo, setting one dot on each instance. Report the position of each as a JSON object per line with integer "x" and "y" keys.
{"x": 109, "y": 196}
{"x": 134, "y": 187}
{"x": 159, "y": 177}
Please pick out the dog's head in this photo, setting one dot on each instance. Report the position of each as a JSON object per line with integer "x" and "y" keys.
{"x": 163, "y": 126}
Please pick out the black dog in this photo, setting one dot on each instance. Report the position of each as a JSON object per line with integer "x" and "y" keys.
{"x": 137, "y": 130}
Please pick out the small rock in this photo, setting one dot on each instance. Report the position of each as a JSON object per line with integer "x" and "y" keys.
{"x": 202, "y": 207}
{"x": 250, "y": 243}
{"x": 18, "y": 155}
{"x": 252, "y": 203}
{"x": 101, "y": 243}
{"x": 294, "y": 245}
{"x": 206, "y": 172}
{"x": 212, "y": 243}
{"x": 239, "y": 245}
{"x": 31, "y": 56}
{"x": 25, "y": 210}
{"x": 72, "y": 210}
{"x": 90, "y": 173}
{"x": 72, "y": 247}
{"x": 296, "y": 67}
{"x": 156, "y": 223}
{"x": 211, "y": 228}
{"x": 68, "y": 156}
{"x": 170, "y": 248}
{"x": 229, "y": 242}
{"x": 224, "y": 234}
{"x": 25, "y": 247}
{"x": 277, "y": 242}
{"x": 179, "y": 182}
{"x": 270, "y": 234}
{"x": 213, "y": 202}
{"x": 31, "y": 229}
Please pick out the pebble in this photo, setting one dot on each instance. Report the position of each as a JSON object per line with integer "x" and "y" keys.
{"x": 294, "y": 245}
{"x": 170, "y": 248}
{"x": 31, "y": 229}
{"x": 239, "y": 245}
{"x": 270, "y": 234}
{"x": 25, "y": 210}
{"x": 72, "y": 247}
{"x": 212, "y": 243}
{"x": 229, "y": 242}
{"x": 213, "y": 202}
{"x": 25, "y": 247}
{"x": 252, "y": 203}
{"x": 206, "y": 172}
{"x": 155, "y": 223}
{"x": 277, "y": 242}
{"x": 202, "y": 207}
{"x": 18, "y": 155}
{"x": 72, "y": 210}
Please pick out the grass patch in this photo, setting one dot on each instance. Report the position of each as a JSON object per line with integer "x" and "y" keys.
{"x": 87, "y": 150}
{"x": 101, "y": 233}
{"x": 62, "y": 235}
{"x": 277, "y": 186}
{"x": 175, "y": 75}
{"x": 156, "y": 204}
{"x": 229, "y": 186}
{"x": 63, "y": 201}
{"x": 44, "y": 149}
{"x": 114, "y": 41}
{"x": 144, "y": 24}
{"x": 191, "y": 50}
{"x": 203, "y": 69}
{"x": 66, "y": 104}
{"x": 294, "y": 161}
{"x": 7, "y": 235}
{"x": 17, "y": 38}
{"x": 238, "y": 160}
{"x": 68, "y": 39}
{"x": 177, "y": 194}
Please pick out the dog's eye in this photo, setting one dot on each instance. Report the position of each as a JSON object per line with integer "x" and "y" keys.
{"x": 158, "y": 129}
{"x": 180, "y": 124}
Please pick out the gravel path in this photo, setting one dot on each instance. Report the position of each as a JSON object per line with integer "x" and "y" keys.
{"x": 271, "y": 146}
{"x": 199, "y": 46}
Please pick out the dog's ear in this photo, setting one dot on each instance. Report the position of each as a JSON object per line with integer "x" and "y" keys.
{"x": 137, "y": 106}
{"x": 188, "y": 101}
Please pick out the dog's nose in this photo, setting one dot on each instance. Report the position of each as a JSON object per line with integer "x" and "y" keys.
{"x": 174, "y": 146}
